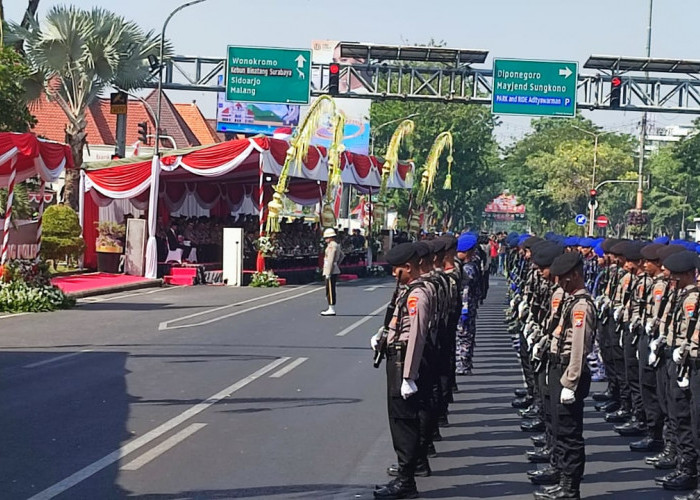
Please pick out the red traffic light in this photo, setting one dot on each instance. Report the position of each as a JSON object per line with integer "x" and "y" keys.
{"x": 616, "y": 81}
{"x": 334, "y": 69}
{"x": 593, "y": 193}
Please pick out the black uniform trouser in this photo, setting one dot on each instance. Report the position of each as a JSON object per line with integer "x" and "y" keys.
{"x": 607, "y": 340}
{"x": 330, "y": 289}
{"x": 546, "y": 411}
{"x": 567, "y": 423}
{"x": 647, "y": 378}
{"x": 446, "y": 365}
{"x": 680, "y": 403}
{"x": 695, "y": 406}
{"x": 620, "y": 372}
{"x": 663, "y": 391}
{"x": 404, "y": 422}
{"x": 526, "y": 364}
{"x": 632, "y": 374}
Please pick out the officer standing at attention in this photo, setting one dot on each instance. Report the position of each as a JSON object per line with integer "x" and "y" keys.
{"x": 569, "y": 376}
{"x": 471, "y": 293}
{"x": 331, "y": 259}
{"x": 406, "y": 390}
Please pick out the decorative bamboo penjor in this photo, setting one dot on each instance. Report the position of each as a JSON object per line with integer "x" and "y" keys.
{"x": 334, "y": 172}
{"x": 298, "y": 148}
{"x": 443, "y": 140}
{"x": 391, "y": 161}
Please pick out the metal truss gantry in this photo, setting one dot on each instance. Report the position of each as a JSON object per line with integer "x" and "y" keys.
{"x": 455, "y": 82}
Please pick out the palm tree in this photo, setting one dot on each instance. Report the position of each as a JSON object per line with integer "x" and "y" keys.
{"x": 75, "y": 55}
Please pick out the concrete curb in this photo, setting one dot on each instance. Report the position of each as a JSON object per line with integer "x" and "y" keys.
{"x": 127, "y": 287}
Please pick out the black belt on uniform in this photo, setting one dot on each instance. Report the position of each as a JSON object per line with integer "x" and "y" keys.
{"x": 558, "y": 359}
{"x": 668, "y": 350}
{"x": 396, "y": 347}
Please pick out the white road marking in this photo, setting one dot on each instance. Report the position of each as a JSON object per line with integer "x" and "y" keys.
{"x": 157, "y": 451}
{"x": 13, "y": 315}
{"x": 362, "y": 321}
{"x": 166, "y": 324}
{"x": 373, "y": 288}
{"x": 92, "y": 300}
{"x": 132, "y": 446}
{"x": 57, "y": 358}
{"x": 288, "y": 368}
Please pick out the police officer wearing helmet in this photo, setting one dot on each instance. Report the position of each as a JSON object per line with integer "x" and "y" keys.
{"x": 331, "y": 259}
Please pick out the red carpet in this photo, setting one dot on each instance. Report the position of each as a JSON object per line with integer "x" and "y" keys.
{"x": 92, "y": 281}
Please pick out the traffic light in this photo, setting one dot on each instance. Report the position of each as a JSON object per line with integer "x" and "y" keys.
{"x": 143, "y": 132}
{"x": 615, "y": 92}
{"x": 593, "y": 193}
{"x": 333, "y": 79}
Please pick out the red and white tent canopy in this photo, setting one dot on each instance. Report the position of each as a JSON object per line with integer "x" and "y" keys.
{"x": 23, "y": 156}
{"x": 231, "y": 171}
{"x": 30, "y": 156}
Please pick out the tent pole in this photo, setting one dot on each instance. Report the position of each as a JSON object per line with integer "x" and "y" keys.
{"x": 8, "y": 212}
{"x": 151, "y": 270}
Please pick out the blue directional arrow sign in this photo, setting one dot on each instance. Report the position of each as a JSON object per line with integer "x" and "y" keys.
{"x": 581, "y": 220}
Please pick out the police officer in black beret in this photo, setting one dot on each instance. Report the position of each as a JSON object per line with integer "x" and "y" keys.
{"x": 569, "y": 376}
{"x": 406, "y": 390}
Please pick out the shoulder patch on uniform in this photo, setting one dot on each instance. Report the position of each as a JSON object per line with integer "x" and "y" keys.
{"x": 555, "y": 302}
{"x": 658, "y": 294}
{"x": 412, "y": 305}
{"x": 689, "y": 309}
{"x": 579, "y": 316}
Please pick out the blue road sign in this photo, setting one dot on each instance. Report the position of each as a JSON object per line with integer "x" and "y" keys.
{"x": 581, "y": 220}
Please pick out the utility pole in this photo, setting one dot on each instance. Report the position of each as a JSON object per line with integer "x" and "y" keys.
{"x": 643, "y": 132}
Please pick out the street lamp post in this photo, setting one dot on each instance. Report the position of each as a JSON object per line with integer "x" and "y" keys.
{"x": 591, "y": 206}
{"x": 151, "y": 270}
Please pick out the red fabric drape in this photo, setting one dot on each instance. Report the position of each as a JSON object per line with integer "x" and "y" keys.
{"x": 363, "y": 164}
{"x": 312, "y": 158}
{"x": 221, "y": 209}
{"x": 91, "y": 215}
{"x": 122, "y": 177}
{"x": 235, "y": 193}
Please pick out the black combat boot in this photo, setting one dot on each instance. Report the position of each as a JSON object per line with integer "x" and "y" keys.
{"x": 531, "y": 412}
{"x": 522, "y": 403}
{"x": 668, "y": 459}
{"x": 398, "y": 488}
{"x": 568, "y": 489}
{"x": 647, "y": 444}
{"x": 620, "y": 416}
{"x": 603, "y": 396}
{"x": 520, "y": 392}
{"x": 668, "y": 477}
{"x": 686, "y": 480}
{"x": 422, "y": 469}
{"x": 608, "y": 406}
{"x": 539, "y": 456}
{"x": 633, "y": 427}
{"x": 693, "y": 495}
{"x": 539, "y": 439}
{"x": 548, "y": 475}
{"x": 534, "y": 425}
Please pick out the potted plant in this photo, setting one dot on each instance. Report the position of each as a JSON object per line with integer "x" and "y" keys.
{"x": 110, "y": 246}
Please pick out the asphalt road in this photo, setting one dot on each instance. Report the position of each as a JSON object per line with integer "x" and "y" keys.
{"x": 215, "y": 392}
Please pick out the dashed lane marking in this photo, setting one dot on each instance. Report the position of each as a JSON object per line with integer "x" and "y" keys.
{"x": 362, "y": 321}
{"x": 157, "y": 451}
{"x": 288, "y": 368}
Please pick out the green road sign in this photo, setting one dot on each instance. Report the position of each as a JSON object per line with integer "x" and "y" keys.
{"x": 265, "y": 74}
{"x": 539, "y": 88}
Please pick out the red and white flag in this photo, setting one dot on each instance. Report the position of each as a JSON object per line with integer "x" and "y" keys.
{"x": 136, "y": 146}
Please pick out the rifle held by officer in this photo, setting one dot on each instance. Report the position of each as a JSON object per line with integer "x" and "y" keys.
{"x": 381, "y": 344}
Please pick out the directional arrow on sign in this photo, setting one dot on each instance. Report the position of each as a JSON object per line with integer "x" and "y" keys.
{"x": 301, "y": 60}
{"x": 565, "y": 72}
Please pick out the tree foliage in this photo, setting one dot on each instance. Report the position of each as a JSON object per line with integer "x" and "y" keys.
{"x": 551, "y": 170}
{"x": 14, "y": 115}
{"x": 474, "y": 176}
{"x": 75, "y": 54}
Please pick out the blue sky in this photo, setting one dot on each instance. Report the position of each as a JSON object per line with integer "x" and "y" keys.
{"x": 533, "y": 29}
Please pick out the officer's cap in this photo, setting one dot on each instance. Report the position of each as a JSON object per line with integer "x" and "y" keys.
{"x": 522, "y": 238}
{"x": 662, "y": 240}
{"x": 668, "y": 250}
{"x": 586, "y": 243}
{"x": 651, "y": 251}
{"x": 609, "y": 243}
{"x": 531, "y": 241}
{"x": 681, "y": 262}
{"x": 422, "y": 248}
{"x": 598, "y": 249}
{"x": 437, "y": 245}
{"x": 544, "y": 254}
{"x": 466, "y": 242}
{"x": 450, "y": 242}
{"x": 619, "y": 249}
{"x": 571, "y": 241}
{"x": 400, "y": 254}
{"x": 565, "y": 263}
{"x": 632, "y": 250}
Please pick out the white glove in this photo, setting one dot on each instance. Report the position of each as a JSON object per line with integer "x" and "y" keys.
{"x": 683, "y": 383}
{"x": 522, "y": 310}
{"x": 526, "y": 329}
{"x": 567, "y": 396}
{"x": 652, "y": 358}
{"x": 374, "y": 340}
{"x": 617, "y": 313}
{"x": 536, "y": 351}
{"x": 649, "y": 326}
{"x": 408, "y": 388}
{"x": 678, "y": 355}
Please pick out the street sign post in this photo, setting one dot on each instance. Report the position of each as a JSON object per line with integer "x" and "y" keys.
{"x": 268, "y": 75}
{"x": 580, "y": 220}
{"x": 534, "y": 88}
{"x": 602, "y": 221}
